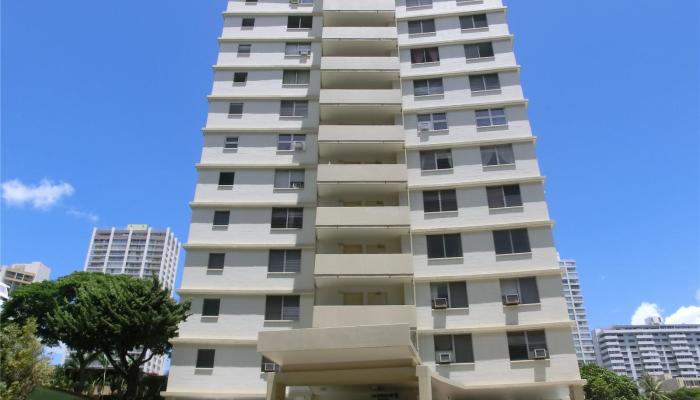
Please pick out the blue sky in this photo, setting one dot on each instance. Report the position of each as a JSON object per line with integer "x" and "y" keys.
{"x": 109, "y": 98}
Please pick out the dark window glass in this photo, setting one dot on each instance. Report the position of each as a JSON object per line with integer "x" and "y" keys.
{"x": 251, "y": 2}
{"x": 284, "y": 261}
{"x": 287, "y": 217}
{"x": 294, "y": 108}
{"x": 473, "y": 21}
{"x": 504, "y": 196}
{"x": 478, "y": 50}
{"x": 521, "y": 241}
{"x": 431, "y": 201}
{"x": 439, "y": 200}
{"x": 299, "y": 22}
{"x": 453, "y": 245}
{"x": 426, "y": 87}
{"x": 437, "y": 159}
{"x": 244, "y": 49}
{"x": 511, "y": 241}
{"x": 484, "y": 82}
{"x": 290, "y": 308}
{"x": 517, "y": 346}
{"x": 235, "y": 108}
{"x": 210, "y": 307}
{"x": 528, "y": 291}
{"x": 248, "y": 22}
{"x": 216, "y": 260}
{"x": 295, "y": 77}
{"x": 273, "y": 308}
{"x": 221, "y": 217}
{"x": 425, "y": 55}
{"x": 419, "y": 3}
{"x": 205, "y": 358}
{"x": 480, "y": 21}
{"x": 463, "y": 348}
{"x": 436, "y": 248}
{"x": 442, "y": 342}
{"x": 458, "y": 295}
{"x": 444, "y": 246}
{"x": 282, "y": 308}
{"x": 226, "y": 178}
{"x": 240, "y": 77}
{"x": 497, "y": 155}
{"x": 421, "y": 26}
{"x": 231, "y": 142}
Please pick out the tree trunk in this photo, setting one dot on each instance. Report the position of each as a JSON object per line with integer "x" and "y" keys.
{"x": 132, "y": 382}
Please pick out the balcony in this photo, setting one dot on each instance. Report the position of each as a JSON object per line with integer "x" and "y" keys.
{"x": 370, "y": 72}
{"x": 370, "y": 64}
{"x": 348, "y": 265}
{"x": 337, "y": 141}
{"x": 363, "y": 33}
{"x": 361, "y": 40}
{"x": 359, "y": 6}
{"x": 340, "y": 179}
{"x": 360, "y": 106}
{"x": 353, "y": 222}
{"x": 339, "y": 316}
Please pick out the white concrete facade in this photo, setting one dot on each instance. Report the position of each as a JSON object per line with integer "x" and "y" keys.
{"x": 655, "y": 349}
{"x": 583, "y": 341}
{"x": 140, "y": 251}
{"x": 333, "y": 164}
{"x": 20, "y": 274}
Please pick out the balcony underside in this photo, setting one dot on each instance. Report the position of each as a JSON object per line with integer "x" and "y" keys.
{"x": 368, "y": 113}
{"x": 331, "y": 267}
{"x": 359, "y": 47}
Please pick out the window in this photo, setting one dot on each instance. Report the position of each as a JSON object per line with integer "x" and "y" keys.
{"x": 288, "y": 141}
{"x": 419, "y": 3}
{"x": 454, "y": 292}
{"x": 473, "y": 21}
{"x": 266, "y": 361}
{"x": 306, "y": 2}
{"x": 244, "y": 50}
{"x": 294, "y": 108}
{"x": 231, "y": 143}
{"x": 287, "y": 218}
{"x": 235, "y": 109}
{"x": 478, "y": 50}
{"x": 299, "y": 22}
{"x": 216, "y": 261}
{"x": 439, "y": 200}
{"x": 284, "y": 261}
{"x": 210, "y": 307}
{"x": 247, "y": 22}
{"x": 497, "y": 155}
{"x": 480, "y": 83}
{"x": 282, "y": 308}
{"x": 251, "y": 2}
{"x": 433, "y": 122}
{"x": 421, "y": 26}
{"x": 522, "y": 345}
{"x": 295, "y": 77}
{"x": 427, "y": 87}
{"x": 525, "y": 288}
{"x": 226, "y": 178}
{"x": 205, "y": 358}
{"x": 511, "y": 241}
{"x": 297, "y": 49}
{"x": 444, "y": 246}
{"x": 425, "y": 55}
{"x": 221, "y": 218}
{"x": 491, "y": 117}
{"x": 436, "y": 159}
{"x": 504, "y": 196}
{"x": 459, "y": 346}
{"x": 240, "y": 77}
{"x": 289, "y": 179}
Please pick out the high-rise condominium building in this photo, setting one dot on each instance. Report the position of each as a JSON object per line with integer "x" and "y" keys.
{"x": 140, "y": 251}
{"x": 369, "y": 219}
{"x": 583, "y": 342}
{"x": 16, "y": 275}
{"x": 654, "y": 349}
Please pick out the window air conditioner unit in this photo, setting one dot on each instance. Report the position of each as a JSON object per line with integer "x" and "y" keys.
{"x": 439, "y": 303}
{"x": 300, "y": 146}
{"x": 269, "y": 367}
{"x": 304, "y": 52}
{"x": 512, "y": 299}
{"x": 444, "y": 357}
{"x": 424, "y": 126}
{"x": 539, "y": 354}
{"x": 297, "y": 185}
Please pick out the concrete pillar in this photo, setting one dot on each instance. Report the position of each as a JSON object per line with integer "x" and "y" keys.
{"x": 275, "y": 391}
{"x": 425, "y": 390}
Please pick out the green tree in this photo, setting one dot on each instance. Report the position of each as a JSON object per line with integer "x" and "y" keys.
{"x": 603, "y": 384}
{"x": 685, "y": 394}
{"x": 23, "y": 367}
{"x": 59, "y": 319}
{"x": 137, "y": 318}
{"x": 651, "y": 388}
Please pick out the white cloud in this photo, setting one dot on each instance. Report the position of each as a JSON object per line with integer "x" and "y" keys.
{"x": 644, "y": 311}
{"x": 92, "y": 217}
{"x": 685, "y": 315}
{"x": 42, "y": 196}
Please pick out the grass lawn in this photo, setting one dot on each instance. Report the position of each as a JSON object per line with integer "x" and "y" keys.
{"x": 42, "y": 393}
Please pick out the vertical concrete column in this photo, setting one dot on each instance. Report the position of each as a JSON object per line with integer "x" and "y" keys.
{"x": 275, "y": 390}
{"x": 425, "y": 390}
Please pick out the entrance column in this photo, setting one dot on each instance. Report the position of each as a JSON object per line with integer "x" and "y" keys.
{"x": 275, "y": 391}
{"x": 425, "y": 391}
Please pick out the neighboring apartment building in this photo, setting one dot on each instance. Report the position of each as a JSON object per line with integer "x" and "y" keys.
{"x": 17, "y": 275}
{"x": 583, "y": 342}
{"x": 140, "y": 251}
{"x": 4, "y": 294}
{"x": 369, "y": 219}
{"x": 654, "y": 348}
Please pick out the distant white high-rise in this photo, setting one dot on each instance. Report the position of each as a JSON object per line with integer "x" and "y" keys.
{"x": 655, "y": 349}
{"x": 21, "y": 274}
{"x": 137, "y": 250}
{"x": 583, "y": 342}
